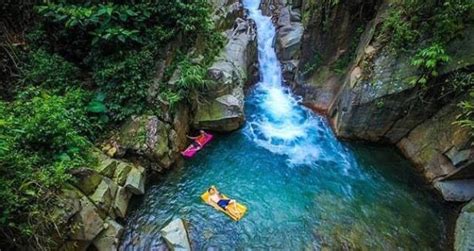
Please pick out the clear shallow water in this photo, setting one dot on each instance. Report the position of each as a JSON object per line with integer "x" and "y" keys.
{"x": 304, "y": 189}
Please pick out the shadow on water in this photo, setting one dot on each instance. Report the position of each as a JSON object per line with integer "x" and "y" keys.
{"x": 304, "y": 188}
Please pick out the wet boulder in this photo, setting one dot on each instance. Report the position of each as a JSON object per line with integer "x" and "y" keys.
{"x": 176, "y": 236}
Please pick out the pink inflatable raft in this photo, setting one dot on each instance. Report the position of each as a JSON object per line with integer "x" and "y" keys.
{"x": 192, "y": 150}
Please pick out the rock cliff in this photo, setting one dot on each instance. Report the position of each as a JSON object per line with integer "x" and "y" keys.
{"x": 342, "y": 67}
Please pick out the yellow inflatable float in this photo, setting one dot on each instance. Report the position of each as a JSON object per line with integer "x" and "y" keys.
{"x": 236, "y": 212}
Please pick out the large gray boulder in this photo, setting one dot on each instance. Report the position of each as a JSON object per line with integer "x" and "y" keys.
{"x": 87, "y": 223}
{"x": 176, "y": 236}
{"x": 120, "y": 204}
{"x": 464, "y": 233}
{"x": 104, "y": 194}
{"x": 136, "y": 180}
{"x": 289, "y": 41}
{"x": 456, "y": 190}
{"x": 223, "y": 108}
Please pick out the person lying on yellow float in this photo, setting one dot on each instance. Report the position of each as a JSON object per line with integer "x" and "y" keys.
{"x": 224, "y": 204}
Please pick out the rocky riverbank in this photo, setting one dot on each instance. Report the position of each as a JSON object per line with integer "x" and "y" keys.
{"x": 89, "y": 210}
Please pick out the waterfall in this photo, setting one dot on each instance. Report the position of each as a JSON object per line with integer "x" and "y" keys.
{"x": 280, "y": 124}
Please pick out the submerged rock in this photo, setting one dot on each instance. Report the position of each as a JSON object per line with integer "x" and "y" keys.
{"x": 176, "y": 236}
{"x": 464, "y": 233}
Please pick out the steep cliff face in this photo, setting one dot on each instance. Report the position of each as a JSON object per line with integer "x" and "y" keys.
{"x": 378, "y": 103}
{"x": 331, "y": 35}
{"x": 342, "y": 67}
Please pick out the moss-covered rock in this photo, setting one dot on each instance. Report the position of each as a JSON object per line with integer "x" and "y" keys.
{"x": 121, "y": 173}
{"x": 463, "y": 237}
{"x": 136, "y": 180}
{"x": 86, "y": 179}
{"x": 145, "y": 137}
{"x": 87, "y": 223}
{"x": 120, "y": 204}
{"x": 104, "y": 195}
{"x": 108, "y": 239}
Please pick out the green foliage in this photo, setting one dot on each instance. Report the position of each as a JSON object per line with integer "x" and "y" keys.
{"x": 428, "y": 60}
{"x": 313, "y": 64}
{"x": 121, "y": 41}
{"x": 466, "y": 118}
{"x": 192, "y": 76}
{"x": 461, "y": 82}
{"x": 49, "y": 70}
{"x": 409, "y": 21}
{"x": 40, "y": 140}
{"x": 126, "y": 81}
{"x": 399, "y": 29}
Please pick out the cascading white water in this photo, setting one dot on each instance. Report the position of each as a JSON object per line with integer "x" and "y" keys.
{"x": 281, "y": 124}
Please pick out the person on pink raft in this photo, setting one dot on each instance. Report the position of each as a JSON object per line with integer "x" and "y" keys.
{"x": 199, "y": 140}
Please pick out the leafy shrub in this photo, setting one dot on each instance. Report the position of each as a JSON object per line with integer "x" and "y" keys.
{"x": 192, "y": 76}
{"x": 466, "y": 118}
{"x": 49, "y": 70}
{"x": 428, "y": 60}
{"x": 408, "y": 21}
{"x": 462, "y": 82}
{"x": 40, "y": 141}
{"x": 401, "y": 31}
{"x": 125, "y": 82}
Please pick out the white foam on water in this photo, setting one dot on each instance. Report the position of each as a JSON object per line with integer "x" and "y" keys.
{"x": 281, "y": 125}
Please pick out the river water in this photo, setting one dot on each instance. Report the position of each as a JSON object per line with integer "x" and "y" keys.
{"x": 304, "y": 189}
